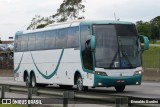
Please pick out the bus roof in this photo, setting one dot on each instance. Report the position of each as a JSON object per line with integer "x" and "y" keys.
{"x": 72, "y": 24}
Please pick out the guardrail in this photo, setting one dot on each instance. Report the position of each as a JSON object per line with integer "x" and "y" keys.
{"x": 85, "y": 97}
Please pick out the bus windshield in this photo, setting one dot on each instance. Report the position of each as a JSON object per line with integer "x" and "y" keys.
{"x": 117, "y": 46}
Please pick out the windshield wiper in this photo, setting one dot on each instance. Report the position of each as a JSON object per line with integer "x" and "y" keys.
{"x": 125, "y": 55}
{"x": 110, "y": 66}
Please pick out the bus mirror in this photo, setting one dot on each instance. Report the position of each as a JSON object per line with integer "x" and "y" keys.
{"x": 144, "y": 39}
{"x": 93, "y": 42}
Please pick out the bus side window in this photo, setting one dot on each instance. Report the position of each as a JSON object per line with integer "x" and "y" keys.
{"x": 24, "y": 43}
{"x": 61, "y": 38}
{"x": 15, "y": 43}
{"x": 50, "y": 42}
{"x": 40, "y": 38}
{"x": 19, "y": 38}
{"x": 72, "y": 39}
{"x": 31, "y": 42}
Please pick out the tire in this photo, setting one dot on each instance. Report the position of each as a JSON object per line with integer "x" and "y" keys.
{"x": 120, "y": 88}
{"x": 80, "y": 86}
{"x": 33, "y": 81}
{"x": 28, "y": 83}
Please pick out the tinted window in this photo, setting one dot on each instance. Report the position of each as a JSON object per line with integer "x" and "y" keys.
{"x": 17, "y": 43}
{"x": 86, "y": 48}
{"x": 31, "y": 42}
{"x": 72, "y": 39}
{"x": 61, "y": 38}
{"x": 126, "y": 30}
{"x": 50, "y": 39}
{"x": 106, "y": 53}
{"x": 24, "y": 43}
{"x": 40, "y": 38}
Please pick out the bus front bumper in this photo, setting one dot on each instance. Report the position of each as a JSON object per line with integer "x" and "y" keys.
{"x": 107, "y": 81}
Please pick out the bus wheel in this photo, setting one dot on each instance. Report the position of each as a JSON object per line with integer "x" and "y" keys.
{"x": 28, "y": 84}
{"x": 33, "y": 81}
{"x": 80, "y": 86}
{"x": 120, "y": 88}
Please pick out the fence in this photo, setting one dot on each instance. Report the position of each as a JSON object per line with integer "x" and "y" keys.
{"x": 85, "y": 97}
{"x": 6, "y": 60}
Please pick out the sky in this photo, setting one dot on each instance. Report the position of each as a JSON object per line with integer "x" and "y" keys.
{"x": 16, "y": 15}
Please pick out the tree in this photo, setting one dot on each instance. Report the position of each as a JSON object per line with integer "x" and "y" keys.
{"x": 155, "y": 27}
{"x": 150, "y": 29}
{"x": 68, "y": 10}
{"x": 39, "y": 22}
{"x": 143, "y": 28}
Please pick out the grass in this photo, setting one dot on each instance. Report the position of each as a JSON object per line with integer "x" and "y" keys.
{"x": 151, "y": 57}
{"x": 11, "y": 105}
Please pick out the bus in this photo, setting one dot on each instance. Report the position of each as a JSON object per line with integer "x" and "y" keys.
{"x": 81, "y": 53}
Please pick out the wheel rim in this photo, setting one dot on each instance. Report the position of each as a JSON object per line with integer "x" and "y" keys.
{"x": 27, "y": 81}
{"x": 33, "y": 82}
{"x": 79, "y": 84}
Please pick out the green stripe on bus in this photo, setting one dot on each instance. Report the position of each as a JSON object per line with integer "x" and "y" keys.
{"x": 54, "y": 72}
{"x": 16, "y": 70}
{"x": 46, "y": 77}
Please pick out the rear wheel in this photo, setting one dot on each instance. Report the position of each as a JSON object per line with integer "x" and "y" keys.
{"x": 33, "y": 81}
{"x": 120, "y": 88}
{"x": 28, "y": 84}
{"x": 80, "y": 86}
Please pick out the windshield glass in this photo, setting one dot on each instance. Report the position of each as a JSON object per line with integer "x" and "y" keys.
{"x": 116, "y": 46}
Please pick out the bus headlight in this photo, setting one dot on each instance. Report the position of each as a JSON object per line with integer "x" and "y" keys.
{"x": 100, "y": 73}
{"x": 138, "y": 72}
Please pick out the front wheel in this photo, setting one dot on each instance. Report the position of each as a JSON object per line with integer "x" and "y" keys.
{"x": 80, "y": 86}
{"x": 120, "y": 88}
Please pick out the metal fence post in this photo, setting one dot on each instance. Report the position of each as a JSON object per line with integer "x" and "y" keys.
{"x": 118, "y": 102}
{"x": 29, "y": 96}
{"x": 66, "y": 96}
{"x": 2, "y": 93}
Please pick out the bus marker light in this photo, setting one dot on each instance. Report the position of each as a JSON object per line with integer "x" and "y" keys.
{"x": 99, "y": 83}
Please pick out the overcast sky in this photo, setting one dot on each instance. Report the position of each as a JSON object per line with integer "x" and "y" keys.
{"x": 17, "y": 14}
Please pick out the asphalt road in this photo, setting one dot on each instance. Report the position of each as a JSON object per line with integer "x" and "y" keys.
{"x": 146, "y": 89}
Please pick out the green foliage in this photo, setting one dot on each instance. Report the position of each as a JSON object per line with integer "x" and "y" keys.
{"x": 143, "y": 28}
{"x": 41, "y": 26}
{"x": 151, "y": 57}
{"x": 39, "y": 22}
{"x": 11, "y": 105}
{"x": 150, "y": 29}
{"x": 68, "y": 10}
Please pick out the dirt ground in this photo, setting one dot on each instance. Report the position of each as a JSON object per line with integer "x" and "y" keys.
{"x": 6, "y": 73}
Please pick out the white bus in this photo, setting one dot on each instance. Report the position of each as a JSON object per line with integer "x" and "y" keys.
{"x": 81, "y": 53}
